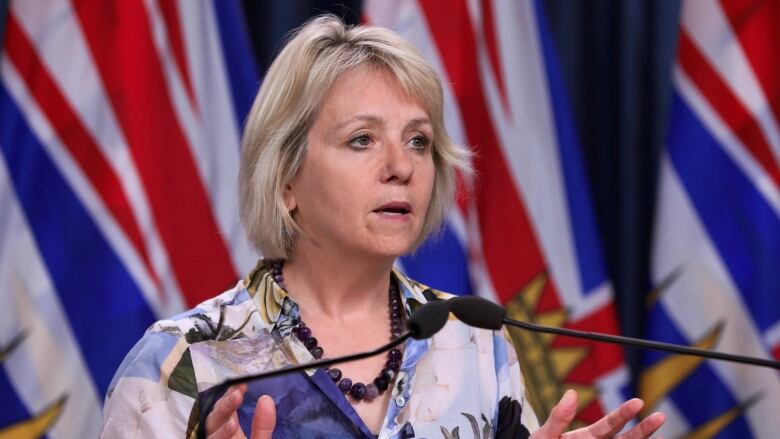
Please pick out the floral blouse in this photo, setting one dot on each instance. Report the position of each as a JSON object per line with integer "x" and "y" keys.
{"x": 461, "y": 383}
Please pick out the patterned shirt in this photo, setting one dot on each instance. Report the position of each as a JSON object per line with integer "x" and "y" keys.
{"x": 463, "y": 382}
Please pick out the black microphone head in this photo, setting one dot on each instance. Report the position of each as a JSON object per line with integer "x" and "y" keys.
{"x": 428, "y": 319}
{"x": 478, "y": 312}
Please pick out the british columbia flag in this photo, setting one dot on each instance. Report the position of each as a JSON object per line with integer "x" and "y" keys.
{"x": 119, "y": 147}
{"x": 716, "y": 262}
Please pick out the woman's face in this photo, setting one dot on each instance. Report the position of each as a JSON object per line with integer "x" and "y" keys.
{"x": 367, "y": 178}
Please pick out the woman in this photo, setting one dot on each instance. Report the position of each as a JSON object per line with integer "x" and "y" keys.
{"x": 345, "y": 166}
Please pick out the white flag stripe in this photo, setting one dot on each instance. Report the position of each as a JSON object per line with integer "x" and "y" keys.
{"x": 712, "y": 33}
{"x": 64, "y": 51}
{"x": 190, "y": 123}
{"x": 47, "y": 365}
{"x": 217, "y": 114}
{"x": 704, "y": 296}
{"x": 529, "y": 143}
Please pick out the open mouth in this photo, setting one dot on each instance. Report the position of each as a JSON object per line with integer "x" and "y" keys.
{"x": 394, "y": 209}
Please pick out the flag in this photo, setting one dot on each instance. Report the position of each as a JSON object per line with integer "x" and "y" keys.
{"x": 523, "y": 232}
{"x": 119, "y": 144}
{"x": 717, "y": 233}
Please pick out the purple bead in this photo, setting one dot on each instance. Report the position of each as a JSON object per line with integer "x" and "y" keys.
{"x": 345, "y": 385}
{"x": 394, "y": 354}
{"x": 304, "y": 333}
{"x": 395, "y": 327}
{"x": 387, "y": 374}
{"x": 358, "y": 391}
{"x": 278, "y": 278}
{"x": 393, "y": 365}
{"x": 371, "y": 392}
{"x": 317, "y": 352}
{"x": 380, "y": 383}
{"x": 310, "y": 343}
{"x": 334, "y": 374}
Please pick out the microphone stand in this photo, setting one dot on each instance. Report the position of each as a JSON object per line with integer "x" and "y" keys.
{"x": 644, "y": 344}
{"x": 210, "y": 399}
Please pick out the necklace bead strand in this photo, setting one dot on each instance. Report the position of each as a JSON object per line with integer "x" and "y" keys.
{"x": 358, "y": 391}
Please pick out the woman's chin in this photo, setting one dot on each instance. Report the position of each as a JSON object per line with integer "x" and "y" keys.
{"x": 391, "y": 247}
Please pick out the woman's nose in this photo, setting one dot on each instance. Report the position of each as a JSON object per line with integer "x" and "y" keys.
{"x": 399, "y": 167}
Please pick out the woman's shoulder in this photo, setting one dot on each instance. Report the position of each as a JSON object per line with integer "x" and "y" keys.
{"x": 221, "y": 317}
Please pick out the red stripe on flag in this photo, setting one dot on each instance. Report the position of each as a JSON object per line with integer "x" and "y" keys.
{"x": 74, "y": 135}
{"x": 489, "y": 32}
{"x": 170, "y": 13}
{"x": 726, "y": 104}
{"x": 756, "y": 23}
{"x": 509, "y": 243}
{"x": 119, "y": 37}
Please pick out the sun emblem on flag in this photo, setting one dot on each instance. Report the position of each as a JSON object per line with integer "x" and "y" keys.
{"x": 41, "y": 422}
{"x": 545, "y": 367}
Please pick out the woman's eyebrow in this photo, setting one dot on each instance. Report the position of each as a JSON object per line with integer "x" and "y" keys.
{"x": 365, "y": 117}
{"x": 417, "y": 121}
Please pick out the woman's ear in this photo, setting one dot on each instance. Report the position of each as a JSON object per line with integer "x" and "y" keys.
{"x": 289, "y": 198}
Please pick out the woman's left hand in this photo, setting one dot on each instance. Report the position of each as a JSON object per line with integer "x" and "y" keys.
{"x": 608, "y": 426}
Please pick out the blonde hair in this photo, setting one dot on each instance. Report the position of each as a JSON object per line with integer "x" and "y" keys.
{"x": 274, "y": 140}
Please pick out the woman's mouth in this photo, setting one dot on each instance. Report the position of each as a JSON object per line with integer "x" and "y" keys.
{"x": 394, "y": 210}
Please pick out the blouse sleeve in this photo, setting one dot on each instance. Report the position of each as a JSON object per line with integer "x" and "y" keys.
{"x": 516, "y": 418}
{"x": 154, "y": 391}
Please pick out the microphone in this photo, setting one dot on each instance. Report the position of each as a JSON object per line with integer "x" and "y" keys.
{"x": 482, "y": 313}
{"x": 426, "y": 321}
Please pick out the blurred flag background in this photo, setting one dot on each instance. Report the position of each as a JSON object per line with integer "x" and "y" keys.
{"x": 119, "y": 144}
{"x": 717, "y": 238}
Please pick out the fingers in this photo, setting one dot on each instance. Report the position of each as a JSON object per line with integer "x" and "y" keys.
{"x": 264, "y": 420}
{"x": 228, "y": 430}
{"x": 616, "y": 419}
{"x": 646, "y": 428}
{"x": 560, "y": 417}
{"x": 222, "y": 422}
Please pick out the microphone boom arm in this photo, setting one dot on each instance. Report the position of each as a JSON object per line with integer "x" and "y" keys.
{"x": 645, "y": 344}
{"x": 319, "y": 363}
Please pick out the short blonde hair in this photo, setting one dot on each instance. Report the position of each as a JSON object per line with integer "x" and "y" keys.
{"x": 275, "y": 136}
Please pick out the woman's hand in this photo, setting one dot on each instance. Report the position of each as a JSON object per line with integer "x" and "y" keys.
{"x": 222, "y": 422}
{"x": 563, "y": 413}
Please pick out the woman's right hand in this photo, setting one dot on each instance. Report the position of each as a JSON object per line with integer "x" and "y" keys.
{"x": 222, "y": 422}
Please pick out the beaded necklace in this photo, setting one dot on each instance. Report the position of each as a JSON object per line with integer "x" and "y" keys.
{"x": 358, "y": 391}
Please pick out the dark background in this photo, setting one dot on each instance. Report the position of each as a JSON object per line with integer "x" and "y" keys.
{"x": 616, "y": 58}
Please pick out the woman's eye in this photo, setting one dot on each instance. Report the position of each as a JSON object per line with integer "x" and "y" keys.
{"x": 419, "y": 142}
{"x": 360, "y": 142}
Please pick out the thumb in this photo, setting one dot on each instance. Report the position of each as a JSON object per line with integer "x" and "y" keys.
{"x": 264, "y": 419}
{"x": 560, "y": 417}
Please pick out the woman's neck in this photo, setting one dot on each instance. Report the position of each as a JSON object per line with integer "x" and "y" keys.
{"x": 333, "y": 284}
